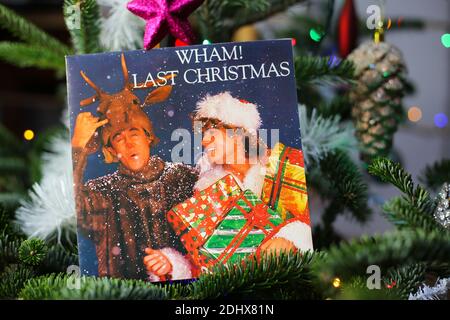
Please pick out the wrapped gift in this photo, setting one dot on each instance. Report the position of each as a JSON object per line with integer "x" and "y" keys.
{"x": 195, "y": 219}
{"x": 243, "y": 229}
{"x": 284, "y": 188}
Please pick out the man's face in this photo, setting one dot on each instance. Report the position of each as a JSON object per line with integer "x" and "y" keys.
{"x": 223, "y": 146}
{"x": 131, "y": 147}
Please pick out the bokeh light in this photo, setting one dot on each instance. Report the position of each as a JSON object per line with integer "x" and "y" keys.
{"x": 445, "y": 39}
{"x": 336, "y": 282}
{"x": 28, "y": 134}
{"x": 414, "y": 114}
{"x": 440, "y": 120}
{"x": 180, "y": 43}
{"x": 316, "y": 35}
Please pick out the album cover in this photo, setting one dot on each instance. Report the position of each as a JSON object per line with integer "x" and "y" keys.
{"x": 185, "y": 158}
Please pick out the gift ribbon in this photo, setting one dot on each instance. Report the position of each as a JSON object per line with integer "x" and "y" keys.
{"x": 276, "y": 185}
{"x": 258, "y": 217}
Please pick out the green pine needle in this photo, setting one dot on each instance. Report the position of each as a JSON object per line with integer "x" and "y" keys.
{"x": 13, "y": 279}
{"x": 83, "y": 22}
{"x": 347, "y": 187}
{"x": 29, "y": 33}
{"x": 313, "y": 70}
{"x": 9, "y": 249}
{"x": 435, "y": 175}
{"x": 406, "y": 216}
{"x": 218, "y": 19}
{"x": 9, "y": 143}
{"x": 26, "y": 55}
{"x": 90, "y": 288}
{"x": 32, "y": 251}
{"x": 356, "y": 289}
{"x": 389, "y": 171}
{"x": 57, "y": 260}
{"x": 387, "y": 251}
{"x": 258, "y": 278}
{"x": 12, "y": 165}
{"x": 406, "y": 279}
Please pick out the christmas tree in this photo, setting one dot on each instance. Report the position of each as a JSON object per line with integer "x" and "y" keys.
{"x": 38, "y": 247}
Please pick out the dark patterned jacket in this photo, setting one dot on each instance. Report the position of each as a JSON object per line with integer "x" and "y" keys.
{"x": 125, "y": 212}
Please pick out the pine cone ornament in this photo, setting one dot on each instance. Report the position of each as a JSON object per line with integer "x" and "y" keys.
{"x": 377, "y": 96}
{"x": 442, "y": 213}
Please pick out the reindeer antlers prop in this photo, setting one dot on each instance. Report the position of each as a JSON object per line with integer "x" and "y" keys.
{"x": 158, "y": 95}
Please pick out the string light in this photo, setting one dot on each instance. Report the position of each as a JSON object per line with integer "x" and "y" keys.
{"x": 389, "y": 24}
{"x": 206, "y": 41}
{"x": 445, "y": 39}
{"x": 391, "y": 285}
{"x": 28, "y": 134}
{"x": 316, "y": 35}
{"x": 336, "y": 282}
{"x": 294, "y": 42}
{"x": 440, "y": 120}
{"x": 180, "y": 43}
{"x": 414, "y": 114}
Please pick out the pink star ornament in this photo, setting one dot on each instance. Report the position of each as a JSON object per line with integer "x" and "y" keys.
{"x": 165, "y": 16}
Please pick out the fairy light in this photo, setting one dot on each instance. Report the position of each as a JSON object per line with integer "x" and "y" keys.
{"x": 316, "y": 35}
{"x": 445, "y": 39}
{"x": 440, "y": 120}
{"x": 180, "y": 43}
{"x": 414, "y": 114}
{"x": 294, "y": 42}
{"x": 389, "y": 24}
{"x": 336, "y": 282}
{"x": 206, "y": 41}
{"x": 28, "y": 134}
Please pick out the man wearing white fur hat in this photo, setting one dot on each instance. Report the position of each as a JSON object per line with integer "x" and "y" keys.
{"x": 232, "y": 146}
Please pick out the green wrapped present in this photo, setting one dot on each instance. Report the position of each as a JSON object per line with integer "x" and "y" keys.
{"x": 242, "y": 230}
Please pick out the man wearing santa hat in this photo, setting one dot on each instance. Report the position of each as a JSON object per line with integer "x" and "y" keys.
{"x": 222, "y": 117}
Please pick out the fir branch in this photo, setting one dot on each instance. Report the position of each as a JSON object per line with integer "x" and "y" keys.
{"x": 9, "y": 249}
{"x": 340, "y": 105}
{"x": 25, "y": 55}
{"x": 396, "y": 284}
{"x": 32, "y": 251}
{"x": 57, "y": 260}
{"x": 387, "y": 251}
{"x": 12, "y": 165}
{"x": 10, "y": 200}
{"x": 356, "y": 289}
{"x": 13, "y": 279}
{"x": 270, "y": 8}
{"x": 43, "y": 287}
{"x": 9, "y": 142}
{"x": 347, "y": 186}
{"x": 90, "y": 288}
{"x": 391, "y": 172}
{"x": 313, "y": 70}
{"x": 406, "y": 279}
{"x": 322, "y": 135}
{"x": 5, "y": 221}
{"x": 435, "y": 175}
{"x": 406, "y": 216}
{"x": 258, "y": 278}
{"x": 218, "y": 20}
{"x": 29, "y": 33}
{"x": 83, "y": 22}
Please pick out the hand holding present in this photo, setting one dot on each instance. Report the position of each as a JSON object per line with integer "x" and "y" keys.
{"x": 156, "y": 262}
{"x": 277, "y": 245}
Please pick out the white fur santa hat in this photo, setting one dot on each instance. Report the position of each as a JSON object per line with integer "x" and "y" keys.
{"x": 229, "y": 110}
